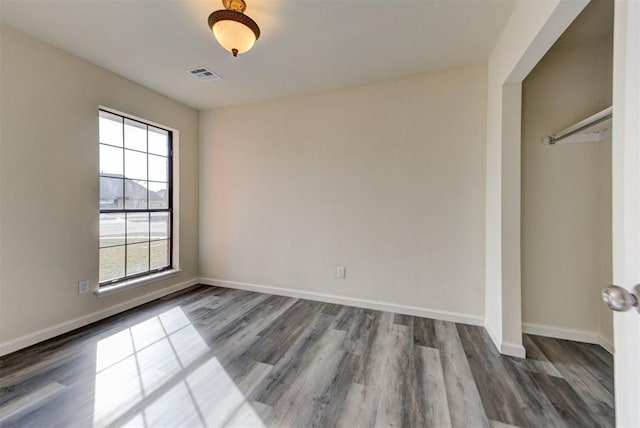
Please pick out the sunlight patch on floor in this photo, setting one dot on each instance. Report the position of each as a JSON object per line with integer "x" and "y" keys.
{"x": 153, "y": 374}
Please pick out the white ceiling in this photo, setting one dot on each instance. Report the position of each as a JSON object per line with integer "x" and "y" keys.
{"x": 306, "y": 45}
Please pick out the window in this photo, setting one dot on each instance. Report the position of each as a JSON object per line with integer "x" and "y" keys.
{"x": 136, "y": 213}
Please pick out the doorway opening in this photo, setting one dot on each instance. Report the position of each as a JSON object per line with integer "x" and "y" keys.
{"x": 566, "y": 188}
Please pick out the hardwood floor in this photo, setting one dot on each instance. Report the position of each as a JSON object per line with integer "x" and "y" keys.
{"x": 219, "y": 357}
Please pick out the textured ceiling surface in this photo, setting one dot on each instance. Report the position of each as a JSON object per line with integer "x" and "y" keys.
{"x": 306, "y": 46}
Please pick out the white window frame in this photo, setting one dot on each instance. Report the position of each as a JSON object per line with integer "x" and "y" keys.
{"x": 175, "y": 241}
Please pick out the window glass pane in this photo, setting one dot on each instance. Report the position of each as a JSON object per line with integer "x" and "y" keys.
{"x": 160, "y": 226}
{"x": 135, "y": 165}
{"x": 158, "y": 195}
{"x": 134, "y": 178}
{"x": 111, "y": 196}
{"x": 137, "y": 258}
{"x": 111, "y": 229}
{"x": 135, "y": 135}
{"x": 110, "y": 128}
{"x": 110, "y": 161}
{"x": 158, "y": 141}
{"x": 137, "y": 227}
{"x": 111, "y": 263}
{"x": 158, "y": 168}
{"x": 135, "y": 192}
{"x": 160, "y": 253}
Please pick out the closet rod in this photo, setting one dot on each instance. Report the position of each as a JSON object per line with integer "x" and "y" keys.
{"x": 580, "y": 126}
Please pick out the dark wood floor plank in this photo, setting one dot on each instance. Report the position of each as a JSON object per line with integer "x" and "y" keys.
{"x": 465, "y": 405}
{"x": 587, "y": 358}
{"x": 222, "y": 333}
{"x": 319, "y": 369}
{"x": 395, "y": 379}
{"x": 536, "y": 407}
{"x": 430, "y": 395}
{"x": 362, "y": 332}
{"x": 360, "y": 407}
{"x": 424, "y": 333}
{"x": 528, "y": 405}
{"x": 331, "y": 309}
{"x": 572, "y": 409}
{"x": 402, "y": 319}
{"x": 346, "y": 317}
{"x": 293, "y": 361}
{"x": 285, "y": 330}
{"x": 331, "y": 401}
{"x": 373, "y": 361}
{"x": 604, "y": 356}
{"x": 588, "y": 388}
{"x": 216, "y": 321}
{"x": 489, "y": 372}
{"x": 211, "y": 356}
{"x": 536, "y": 361}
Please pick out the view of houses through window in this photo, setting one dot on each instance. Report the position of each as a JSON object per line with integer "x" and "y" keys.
{"x": 135, "y": 198}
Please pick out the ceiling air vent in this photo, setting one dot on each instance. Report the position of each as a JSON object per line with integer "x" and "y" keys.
{"x": 204, "y": 74}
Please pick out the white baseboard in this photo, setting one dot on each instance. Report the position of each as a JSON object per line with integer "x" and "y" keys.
{"x": 56, "y": 330}
{"x": 608, "y": 346}
{"x": 568, "y": 334}
{"x": 506, "y": 348}
{"x": 513, "y": 350}
{"x": 349, "y": 301}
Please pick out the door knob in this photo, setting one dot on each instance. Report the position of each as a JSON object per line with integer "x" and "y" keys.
{"x": 620, "y": 299}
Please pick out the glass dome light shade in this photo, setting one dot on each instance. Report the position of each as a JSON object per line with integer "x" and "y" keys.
{"x": 235, "y": 31}
{"x": 234, "y": 35}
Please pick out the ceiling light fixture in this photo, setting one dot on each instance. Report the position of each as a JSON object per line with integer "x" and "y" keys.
{"x": 234, "y": 30}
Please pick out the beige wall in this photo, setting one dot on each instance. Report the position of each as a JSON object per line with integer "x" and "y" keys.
{"x": 386, "y": 180}
{"x": 49, "y": 186}
{"x": 566, "y": 207}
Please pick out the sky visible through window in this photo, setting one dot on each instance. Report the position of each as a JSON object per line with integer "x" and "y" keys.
{"x": 111, "y": 160}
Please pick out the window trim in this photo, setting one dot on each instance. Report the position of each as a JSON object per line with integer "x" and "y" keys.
{"x": 149, "y": 278}
{"x": 173, "y": 268}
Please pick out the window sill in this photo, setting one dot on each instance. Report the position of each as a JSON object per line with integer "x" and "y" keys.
{"x": 133, "y": 283}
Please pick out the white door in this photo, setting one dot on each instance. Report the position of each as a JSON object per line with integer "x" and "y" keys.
{"x": 626, "y": 205}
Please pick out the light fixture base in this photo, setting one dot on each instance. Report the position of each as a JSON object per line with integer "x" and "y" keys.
{"x": 236, "y": 5}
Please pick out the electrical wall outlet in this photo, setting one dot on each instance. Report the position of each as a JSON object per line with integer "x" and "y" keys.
{"x": 341, "y": 273}
{"x": 83, "y": 286}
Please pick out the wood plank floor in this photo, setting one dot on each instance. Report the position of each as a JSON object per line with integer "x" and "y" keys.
{"x": 212, "y": 356}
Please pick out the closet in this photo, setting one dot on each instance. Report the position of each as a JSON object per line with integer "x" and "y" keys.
{"x": 566, "y": 183}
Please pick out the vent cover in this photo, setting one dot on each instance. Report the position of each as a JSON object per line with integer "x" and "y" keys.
{"x": 204, "y": 74}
